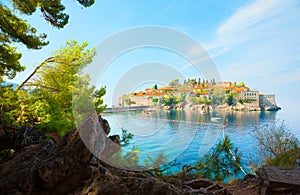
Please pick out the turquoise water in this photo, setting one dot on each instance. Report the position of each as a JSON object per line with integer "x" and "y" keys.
{"x": 188, "y": 135}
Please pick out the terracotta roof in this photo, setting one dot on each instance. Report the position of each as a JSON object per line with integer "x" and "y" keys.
{"x": 183, "y": 90}
{"x": 204, "y": 92}
{"x": 238, "y": 90}
{"x": 166, "y": 88}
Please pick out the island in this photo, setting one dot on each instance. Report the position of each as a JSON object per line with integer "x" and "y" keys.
{"x": 202, "y": 95}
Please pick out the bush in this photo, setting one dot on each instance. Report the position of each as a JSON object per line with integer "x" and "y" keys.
{"x": 155, "y": 100}
{"x": 278, "y": 146}
{"x": 170, "y": 100}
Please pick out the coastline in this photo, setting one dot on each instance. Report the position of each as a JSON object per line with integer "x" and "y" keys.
{"x": 201, "y": 108}
{"x": 224, "y": 107}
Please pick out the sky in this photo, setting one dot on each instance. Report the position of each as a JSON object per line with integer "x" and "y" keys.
{"x": 256, "y": 42}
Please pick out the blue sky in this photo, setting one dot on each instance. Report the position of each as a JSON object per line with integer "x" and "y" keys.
{"x": 256, "y": 42}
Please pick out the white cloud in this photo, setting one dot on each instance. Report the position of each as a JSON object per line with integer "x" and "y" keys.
{"x": 251, "y": 15}
{"x": 247, "y": 23}
{"x": 260, "y": 45}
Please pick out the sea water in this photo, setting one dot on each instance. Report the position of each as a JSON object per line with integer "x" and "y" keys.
{"x": 185, "y": 136}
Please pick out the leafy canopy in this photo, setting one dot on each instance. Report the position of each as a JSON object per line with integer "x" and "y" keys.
{"x": 170, "y": 100}
{"x": 48, "y": 103}
{"x": 14, "y": 29}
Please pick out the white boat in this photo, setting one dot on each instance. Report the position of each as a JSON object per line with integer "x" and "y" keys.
{"x": 215, "y": 119}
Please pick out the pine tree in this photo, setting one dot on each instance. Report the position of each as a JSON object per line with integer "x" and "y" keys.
{"x": 14, "y": 29}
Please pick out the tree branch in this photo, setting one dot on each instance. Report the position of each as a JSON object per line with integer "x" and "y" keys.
{"x": 50, "y": 59}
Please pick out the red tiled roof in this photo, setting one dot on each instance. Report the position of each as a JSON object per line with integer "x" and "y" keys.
{"x": 238, "y": 90}
{"x": 204, "y": 92}
{"x": 166, "y": 88}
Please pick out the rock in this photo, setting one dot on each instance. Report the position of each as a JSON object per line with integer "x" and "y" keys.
{"x": 167, "y": 107}
{"x": 111, "y": 184}
{"x": 18, "y": 138}
{"x": 279, "y": 180}
{"x": 68, "y": 167}
{"x": 48, "y": 167}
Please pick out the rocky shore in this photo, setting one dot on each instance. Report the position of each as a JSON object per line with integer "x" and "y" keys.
{"x": 68, "y": 167}
{"x": 206, "y": 108}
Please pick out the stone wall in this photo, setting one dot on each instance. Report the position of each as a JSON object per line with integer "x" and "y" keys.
{"x": 141, "y": 100}
{"x": 267, "y": 101}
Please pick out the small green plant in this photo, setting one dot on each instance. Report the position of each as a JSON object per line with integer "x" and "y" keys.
{"x": 125, "y": 137}
{"x": 154, "y": 100}
{"x": 221, "y": 163}
{"x": 157, "y": 166}
{"x": 129, "y": 159}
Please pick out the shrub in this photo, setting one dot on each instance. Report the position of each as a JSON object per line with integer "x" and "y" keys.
{"x": 170, "y": 100}
{"x": 278, "y": 146}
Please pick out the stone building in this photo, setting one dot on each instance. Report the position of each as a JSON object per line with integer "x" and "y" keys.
{"x": 252, "y": 98}
{"x": 267, "y": 102}
{"x": 249, "y": 95}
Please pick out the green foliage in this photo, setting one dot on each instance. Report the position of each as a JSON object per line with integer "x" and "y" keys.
{"x": 127, "y": 100}
{"x": 277, "y": 145}
{"x": 170, "y": 100}
{"x": 192, "y": 81}
{"x": 52, "y": 11}
{"x": 125, "y": 137}
{"x": 241, "y": 84}
{"x": 14, "y": 29}
{"x": 155, "y": 87}
{"x": 213, "y": 82}
{"x": 129, "y": 159}
{"x": 55, "y": 83}
{"x": 194, "y": 100}
{"x": 229, "y": 99}
{"x": 99, "y": 103}
{"x": 160, "y": 160}
{"x": 49, "y": 102}
{"x": 220, "y": 163}
{"x": 246, "y": 100}
{"x": 20, "y": 108}
{"x": 154, "y": 100}
{"x": 5, "y": 154}
{"x": 174, "y": 83}
{"x": 200, "y": 100}
{"x": 218, "y": 97}
{"x": 156, "y": 165}
{"x": 241, "y": 101}
{"x": 285, "y": 159}
{"x": 8, "y": 103}
{"x": 182, "y": 97}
